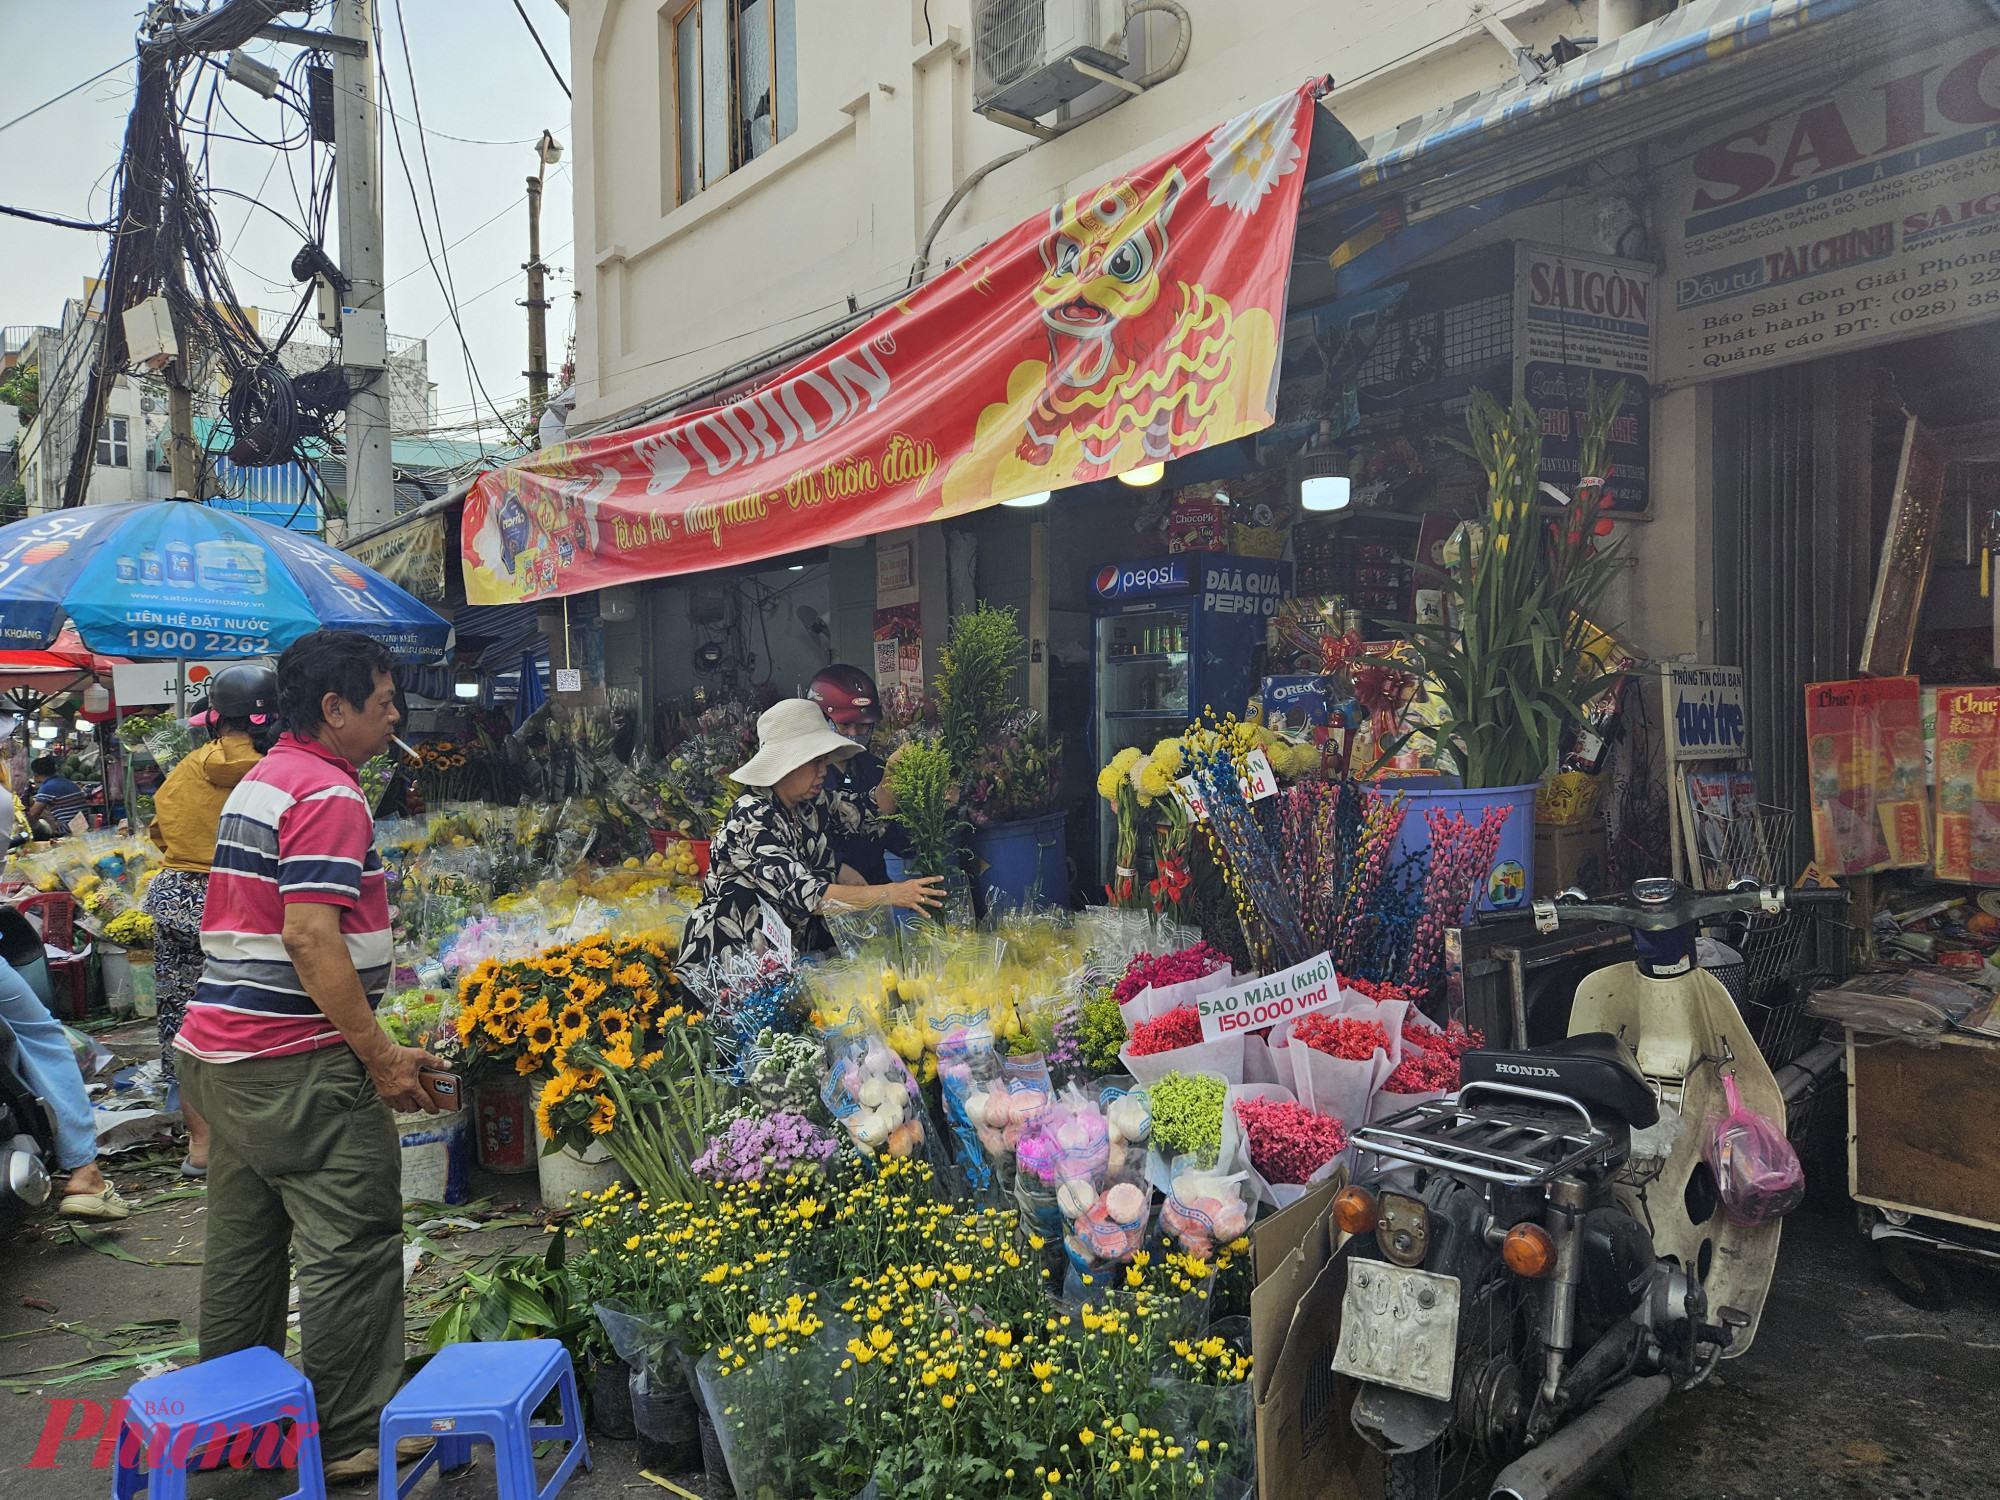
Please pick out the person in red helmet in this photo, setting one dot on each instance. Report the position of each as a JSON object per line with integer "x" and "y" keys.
{"x": 848, "y": 696}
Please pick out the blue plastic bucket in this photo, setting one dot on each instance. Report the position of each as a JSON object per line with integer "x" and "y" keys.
{"x": 898, "y": 871}
{"x": 1510, "y": 884}
{"x": 1016, "y": 864}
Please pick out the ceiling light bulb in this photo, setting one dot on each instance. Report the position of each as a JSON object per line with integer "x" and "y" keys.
{"x": 1325, "y": 492}
{"x": 1027, "y": 502}
{"x": 796, "y": 568}
{"x": 1144, "y": 475}
{"x": 468, "y": 689}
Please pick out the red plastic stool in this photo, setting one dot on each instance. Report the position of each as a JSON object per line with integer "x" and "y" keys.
{"x": 57, "y": 914}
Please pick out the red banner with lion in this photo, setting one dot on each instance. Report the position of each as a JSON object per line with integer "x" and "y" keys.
{"x": 1132, "y": 323}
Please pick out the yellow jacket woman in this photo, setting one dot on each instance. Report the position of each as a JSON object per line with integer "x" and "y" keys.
{"x": 242, "y": 723}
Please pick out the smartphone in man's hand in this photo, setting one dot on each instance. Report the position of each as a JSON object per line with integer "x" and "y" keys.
{"x": 442, "y": 1088}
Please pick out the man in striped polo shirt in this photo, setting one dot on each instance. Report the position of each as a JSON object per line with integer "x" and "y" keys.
{"x": 282, "y": 1054}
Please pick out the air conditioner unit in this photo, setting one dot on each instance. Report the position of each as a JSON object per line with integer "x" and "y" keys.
{"x": 1023, "y": 50}
{"x": 148, "y": 405}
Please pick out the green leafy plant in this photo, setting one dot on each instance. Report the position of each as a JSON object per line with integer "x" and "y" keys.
{"x": 975, "y": 687}
{"x": 925, "y": 788}
{"x": 22, "y": 390}
{"x": 1013, "y": 774}
{"x": 1519, "y": 657}
{"x": 522, "y": 1297}
{"x": 1101, "y": 1032}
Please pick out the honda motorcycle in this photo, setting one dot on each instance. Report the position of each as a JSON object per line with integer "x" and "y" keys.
{"x": 27, "y": 1137}
{"x": 27, "y": 1132}
{"x": 1540, "y": 1261}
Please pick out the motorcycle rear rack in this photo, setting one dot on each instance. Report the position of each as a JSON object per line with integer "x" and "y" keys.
{"x": 1523, "y": 1140}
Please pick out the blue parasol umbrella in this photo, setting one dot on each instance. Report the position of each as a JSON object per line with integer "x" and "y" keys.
{"x": 174, "y": 579}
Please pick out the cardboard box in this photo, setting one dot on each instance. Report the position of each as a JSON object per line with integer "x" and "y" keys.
{"x": 1197, "y": 523}
{"x": 1568, "y": 798}
{"x": 1578, "y": 856}
{"x": 1307, "y": 1449}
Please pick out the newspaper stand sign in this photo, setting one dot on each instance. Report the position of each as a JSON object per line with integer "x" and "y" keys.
{"x": 1705, "y": 721}
{"x": 1285, "y": 996}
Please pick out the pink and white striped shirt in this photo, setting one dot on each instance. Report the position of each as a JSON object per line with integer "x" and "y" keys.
{"x": 295, "y": 829}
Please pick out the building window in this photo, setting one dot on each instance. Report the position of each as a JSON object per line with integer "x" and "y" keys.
{"x": 113, "y": 447}
{"x": 733, "y": 83}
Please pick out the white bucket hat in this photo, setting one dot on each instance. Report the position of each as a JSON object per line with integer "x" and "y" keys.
{"x": 788, "y": 735}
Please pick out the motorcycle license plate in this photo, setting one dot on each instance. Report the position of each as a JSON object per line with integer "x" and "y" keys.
{"x": 1399, "y": 1328}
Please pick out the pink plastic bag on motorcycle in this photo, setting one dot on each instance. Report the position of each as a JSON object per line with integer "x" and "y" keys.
{"x": 1756, "y": 1170}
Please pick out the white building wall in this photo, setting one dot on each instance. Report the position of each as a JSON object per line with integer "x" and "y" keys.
{"x": 673, "y": 293}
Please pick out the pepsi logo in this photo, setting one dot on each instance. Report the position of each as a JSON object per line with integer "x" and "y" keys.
{"x": 1141, "y": 578}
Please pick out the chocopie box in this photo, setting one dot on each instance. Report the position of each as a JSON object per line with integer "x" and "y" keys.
{"x": 1297, "y": 702}
{"x": 1197, "y": 524}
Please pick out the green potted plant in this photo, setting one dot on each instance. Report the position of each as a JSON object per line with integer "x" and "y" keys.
{"x": 1518, "y": 655}
{"x": 1005, "y": 763}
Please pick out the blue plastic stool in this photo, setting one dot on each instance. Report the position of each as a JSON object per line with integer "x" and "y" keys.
{"x": 487, "y": 1393}
{"x": 250, "y": 1388}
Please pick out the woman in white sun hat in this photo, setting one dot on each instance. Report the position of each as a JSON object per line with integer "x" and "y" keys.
{"x": 777, "y": 844}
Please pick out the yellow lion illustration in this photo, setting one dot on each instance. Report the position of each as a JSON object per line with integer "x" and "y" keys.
{"x": 1141, "y": 366}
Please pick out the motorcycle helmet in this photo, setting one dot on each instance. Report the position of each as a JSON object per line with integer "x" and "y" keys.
{"x": 247, "y": 691}
{"x": 847, "y": 694}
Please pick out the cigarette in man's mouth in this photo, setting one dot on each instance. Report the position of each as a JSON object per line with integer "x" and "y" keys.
{"x": 403, "y": 746}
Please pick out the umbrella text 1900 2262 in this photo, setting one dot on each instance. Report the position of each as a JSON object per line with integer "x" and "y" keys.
{"x": 174, "y": 579}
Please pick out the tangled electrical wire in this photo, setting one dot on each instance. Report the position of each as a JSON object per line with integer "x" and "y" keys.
{"x": 168, "y": 244}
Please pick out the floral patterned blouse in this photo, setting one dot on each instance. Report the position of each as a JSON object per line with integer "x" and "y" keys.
{"x": 768, "y": 852}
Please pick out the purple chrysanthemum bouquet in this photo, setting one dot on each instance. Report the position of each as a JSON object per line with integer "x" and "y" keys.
{"x": 754, "y": 1150}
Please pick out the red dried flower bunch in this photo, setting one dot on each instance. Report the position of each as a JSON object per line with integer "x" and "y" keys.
{"x": 1344, "y": 1036}
{"x": 1288, "y": 1142}
{"x": 1379, "y": 990}
{"x": 1169, "y": 968}
{"x": 1430, "y": 1060}
{"x": 1179, "y": 1027}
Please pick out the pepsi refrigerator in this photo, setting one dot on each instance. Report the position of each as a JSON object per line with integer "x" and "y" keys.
{"x": 1171, "y": 636}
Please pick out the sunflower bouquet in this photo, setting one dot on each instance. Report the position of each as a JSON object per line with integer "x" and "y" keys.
{"x": 646, "y": 1094}
{"x": 526, "y": 1014}
{"x": 453, "y": 771}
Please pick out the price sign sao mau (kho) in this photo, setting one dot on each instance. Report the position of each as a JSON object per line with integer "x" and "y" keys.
{"x": 1285, "y": 996}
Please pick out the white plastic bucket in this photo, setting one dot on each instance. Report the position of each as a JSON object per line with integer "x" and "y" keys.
{"x": 117, "y": 977}
{"x": 426, "y": 1141}
{"x": 139, "y": 966}
{"x": 564, "y": 1174}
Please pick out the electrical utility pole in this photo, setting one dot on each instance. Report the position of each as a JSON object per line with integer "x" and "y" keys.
{"x": 549, "y": 150}
{"x": 538, "y": 306}
{"x": 364, "y": 327}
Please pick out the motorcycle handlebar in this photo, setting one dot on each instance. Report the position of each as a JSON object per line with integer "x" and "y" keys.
{"x": 1678, "y": 907}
